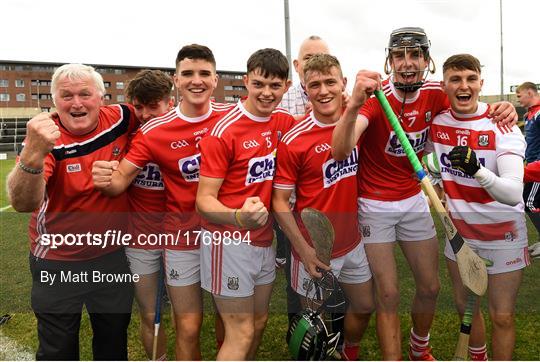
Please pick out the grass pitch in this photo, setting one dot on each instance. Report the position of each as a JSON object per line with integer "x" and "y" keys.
{"x": 18, "y": 338}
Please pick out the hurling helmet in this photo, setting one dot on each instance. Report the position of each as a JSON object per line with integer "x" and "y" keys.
{"x": 310, "y": 336}
{"x": 309, "y": 339}
{"x": 409, "y": 38}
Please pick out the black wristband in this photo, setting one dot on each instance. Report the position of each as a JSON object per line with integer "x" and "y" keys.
{"x": 29, "y": 170}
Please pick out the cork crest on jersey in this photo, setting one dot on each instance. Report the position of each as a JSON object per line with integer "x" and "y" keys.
{"x": 447, "y": 137}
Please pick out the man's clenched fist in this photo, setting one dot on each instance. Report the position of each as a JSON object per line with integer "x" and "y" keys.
{"x": 366, "y": 83}
{"x": 41, "y": 133}
{"x": 102, "y": 173}
{"x": 253, "y": 214}
{"x": 464, "y": 159}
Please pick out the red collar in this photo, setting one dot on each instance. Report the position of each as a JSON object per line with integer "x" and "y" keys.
{"x": 532, "y": 110}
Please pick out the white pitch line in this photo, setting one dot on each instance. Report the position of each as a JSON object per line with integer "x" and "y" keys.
{"x": 12, "y": 350}
{"x": 5, "y": 208}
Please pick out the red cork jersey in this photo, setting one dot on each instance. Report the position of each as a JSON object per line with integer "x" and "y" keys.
{"x": 172, "y": 142}
{"x": 384, "y": 170}
{"x": 305, "y": 164}
{"x": 71, "y": 205}
{"x": 241, "y": 150}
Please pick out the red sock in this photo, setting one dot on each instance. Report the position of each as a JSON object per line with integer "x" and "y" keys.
{"x": 478, "y": 353}
{"x": 351, "y": 351}
{"x": 419, "y": 345}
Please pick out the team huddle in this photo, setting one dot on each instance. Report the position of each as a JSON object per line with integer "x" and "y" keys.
{"x": 227, "y": 175}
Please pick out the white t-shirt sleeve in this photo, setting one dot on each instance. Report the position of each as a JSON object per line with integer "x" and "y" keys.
{"x": 506, "y": 188}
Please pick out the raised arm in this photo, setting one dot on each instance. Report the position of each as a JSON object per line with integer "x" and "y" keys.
{"x": 25, "y": 183}
{"x": 351, "y": 125}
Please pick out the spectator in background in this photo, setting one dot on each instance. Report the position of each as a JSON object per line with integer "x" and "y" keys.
{"x": 52, "y": 178}
{"x": 296, "y": 100}
{"x": 532, "y": 174}
{"x": 528, "y": 97}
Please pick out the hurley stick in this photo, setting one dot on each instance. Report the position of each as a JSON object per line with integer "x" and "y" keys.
{"x": 157, "y": 316}
{"x": 322, "y": 235}
{"x": 472, "y": 268}
{"x": 462, "y": 348}
{"x": 321, "y": 231}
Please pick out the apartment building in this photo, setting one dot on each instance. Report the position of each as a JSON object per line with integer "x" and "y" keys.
{"x": 26, "y": 85}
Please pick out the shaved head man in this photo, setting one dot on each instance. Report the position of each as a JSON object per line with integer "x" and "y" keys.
{"x": 310, "y": 46}
{"x": 296, "y": 99}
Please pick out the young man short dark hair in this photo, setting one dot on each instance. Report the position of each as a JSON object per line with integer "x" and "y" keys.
{"x": 237, "y": 168}
{"x": 482, "y": 173}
